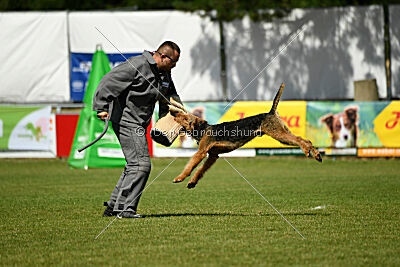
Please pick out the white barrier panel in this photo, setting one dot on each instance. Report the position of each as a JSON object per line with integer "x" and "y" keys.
{"x": 395, "y": 48}
{"x": 334, "y": 47}
{"x": 197, "y": 74}
{"x": 327, "y": 50}
{"x": 34, "y": 57}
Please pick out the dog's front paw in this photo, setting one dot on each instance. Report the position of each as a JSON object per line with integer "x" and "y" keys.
{"x": 191, "y": 185}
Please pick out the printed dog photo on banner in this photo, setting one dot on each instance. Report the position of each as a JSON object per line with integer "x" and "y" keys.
{"x": 343, "y": 127}
{"x": 343, "y": 124}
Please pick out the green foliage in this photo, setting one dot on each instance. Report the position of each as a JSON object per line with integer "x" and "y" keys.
{"x": 51, "y": 215}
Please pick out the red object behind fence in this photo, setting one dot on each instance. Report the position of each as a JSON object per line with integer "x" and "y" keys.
{"x": 65, "y": 131}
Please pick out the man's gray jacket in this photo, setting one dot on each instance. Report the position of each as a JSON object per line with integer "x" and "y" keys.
{"x": 130, "y": 91}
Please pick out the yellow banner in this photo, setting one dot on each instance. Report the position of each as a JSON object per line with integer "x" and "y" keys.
{"x": 387, "y": 125}
{"x": 293, "y": 113}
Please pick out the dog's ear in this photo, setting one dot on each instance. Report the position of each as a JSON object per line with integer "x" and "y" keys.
{"x": 352, "y": 113}
{"x": 182, "y": 119}
{"x": 196, "y": 121}
{"x": 328, "y": 120}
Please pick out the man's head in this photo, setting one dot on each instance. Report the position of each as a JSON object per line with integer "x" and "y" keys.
{"x": 167, "y": 55}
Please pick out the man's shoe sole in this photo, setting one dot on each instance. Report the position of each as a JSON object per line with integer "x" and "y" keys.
{"x": 130, "y": 216}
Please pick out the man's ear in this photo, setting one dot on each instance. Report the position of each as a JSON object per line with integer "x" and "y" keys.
{"x": 328, "y": 120}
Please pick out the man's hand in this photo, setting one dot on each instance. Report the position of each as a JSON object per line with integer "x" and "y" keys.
{"x": 103, "y": 115}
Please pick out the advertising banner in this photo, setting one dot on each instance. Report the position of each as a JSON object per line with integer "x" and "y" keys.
{"x": 378, "y": 152}
{"x": 340, "y": 128}
{"x": 25, "y": 128}
{"x": 354, "y": 124}
{"x": 81, "y": 64}
{"x": 293, "y": 113}
{"x": 387, "y": 125}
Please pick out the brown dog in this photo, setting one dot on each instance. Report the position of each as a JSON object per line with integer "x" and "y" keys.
{"x": 228, "y": 136}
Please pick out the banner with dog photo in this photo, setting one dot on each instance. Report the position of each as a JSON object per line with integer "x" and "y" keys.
{"x": 354, "y": 124}
{"x": 326, "y": 124}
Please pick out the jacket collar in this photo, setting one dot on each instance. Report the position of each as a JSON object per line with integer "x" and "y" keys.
{"x": 149, "y": 57}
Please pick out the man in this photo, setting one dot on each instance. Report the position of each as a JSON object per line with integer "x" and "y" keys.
{"x": 127, "y": 95}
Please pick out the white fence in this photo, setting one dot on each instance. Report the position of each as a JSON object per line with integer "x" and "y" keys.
{"x": 318, "y": 53}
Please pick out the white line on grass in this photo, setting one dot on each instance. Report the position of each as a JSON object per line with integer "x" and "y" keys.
{"x": 134, "y": 199}
{"x": 266, "y": 200}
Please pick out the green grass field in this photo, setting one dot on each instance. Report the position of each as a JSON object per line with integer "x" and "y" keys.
{"x": 51, "y": 214}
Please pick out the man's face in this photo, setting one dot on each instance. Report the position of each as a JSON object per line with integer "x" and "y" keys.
{"x": 169, "y": 58}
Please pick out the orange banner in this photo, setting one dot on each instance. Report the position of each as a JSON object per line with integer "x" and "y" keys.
{"x": 378, "y": 152}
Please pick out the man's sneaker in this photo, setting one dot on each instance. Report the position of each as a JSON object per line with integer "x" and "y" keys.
{"x": 130, "y": 215}
{"x": 109, "y": 212}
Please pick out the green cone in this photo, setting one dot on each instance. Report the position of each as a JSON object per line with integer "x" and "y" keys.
{"x": 107, "y": 151}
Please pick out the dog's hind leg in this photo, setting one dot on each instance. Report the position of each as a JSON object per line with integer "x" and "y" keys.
{"x": 293, "y": 140}
{"x": 194, "y": 161}
{"x": 276, "y": 128}
{"x": 200, "y": 172}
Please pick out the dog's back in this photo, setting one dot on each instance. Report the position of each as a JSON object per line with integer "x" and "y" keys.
{"x": 245, "y": 129}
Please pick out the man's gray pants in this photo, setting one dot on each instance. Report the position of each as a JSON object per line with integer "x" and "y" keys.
{"x": 127, "y": 192}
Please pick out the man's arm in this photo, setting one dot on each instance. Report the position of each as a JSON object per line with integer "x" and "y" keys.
{"x": 111, "y": 86}
{"x": 163, "y": 103}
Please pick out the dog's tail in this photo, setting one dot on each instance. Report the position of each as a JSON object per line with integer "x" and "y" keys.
{"x": 276, "y": 99}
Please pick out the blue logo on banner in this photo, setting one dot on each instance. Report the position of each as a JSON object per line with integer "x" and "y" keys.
{"x": 81, "y": 64}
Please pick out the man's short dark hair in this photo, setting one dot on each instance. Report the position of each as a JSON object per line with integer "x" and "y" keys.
{"x": 170, "y": 44}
